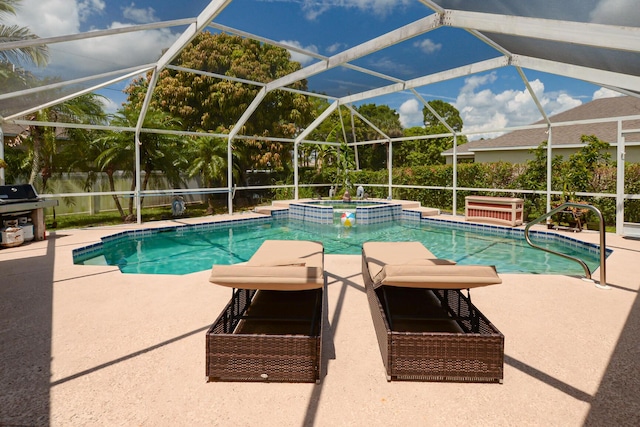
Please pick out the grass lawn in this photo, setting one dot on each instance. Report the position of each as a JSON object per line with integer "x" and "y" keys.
{"x": 114, "y": 218}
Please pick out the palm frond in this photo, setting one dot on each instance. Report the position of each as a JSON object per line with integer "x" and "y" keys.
{"x": 8, "y": 7}
{"x": 38, "y": 55}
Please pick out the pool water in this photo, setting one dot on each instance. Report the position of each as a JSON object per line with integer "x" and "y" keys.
{"x": 186, "y": 250}
{"x": 344, "y": 205}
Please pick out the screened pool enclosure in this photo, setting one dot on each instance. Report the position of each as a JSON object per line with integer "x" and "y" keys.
{"x": 367, "y": 61}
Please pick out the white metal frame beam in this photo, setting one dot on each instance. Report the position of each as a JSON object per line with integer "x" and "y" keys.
{"x": 368, "y": 122}
{"x": 59, "y": 85}
{"x": 203, "y": 19}
{"x": 138, "y": 143}
{"x": 620, "y": 169}
{"x": 408, "y": 31}
{"x": 21, "y": 44}
{"x": 299, "y": 50}
{"x": 434, "y": 112}
{"x": 465, "y": 70}
{"x": 74, "y": 95}
{"x": 438, "y": 9}
{"x": 245, "y": 81}
{"x": 322, "y": 117}
{"x": 599, "y": 77}
{"x": 398, "y": 35}
{"x": 581, "y": 33}
{"x": 533, "y": 95}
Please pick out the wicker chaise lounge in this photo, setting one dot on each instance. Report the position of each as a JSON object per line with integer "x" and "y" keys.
{"x": 271, "y": 330}
{"x": 427, "y": 329}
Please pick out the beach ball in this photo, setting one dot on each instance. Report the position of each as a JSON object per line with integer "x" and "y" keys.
{"x": 348, "y": 219}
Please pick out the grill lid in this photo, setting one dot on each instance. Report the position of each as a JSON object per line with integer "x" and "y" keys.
{"x": 17, "y": 193}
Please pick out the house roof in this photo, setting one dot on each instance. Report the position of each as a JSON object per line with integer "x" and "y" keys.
{"x": 11, "y": 130}
{"x": 566, "y": 135}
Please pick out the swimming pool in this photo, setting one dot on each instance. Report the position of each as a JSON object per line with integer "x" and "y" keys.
{"x": 188, "y": 249}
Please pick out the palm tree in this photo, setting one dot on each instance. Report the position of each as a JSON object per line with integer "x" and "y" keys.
{"x": 158, "y": 152}
{"x": 37, "y": 55}
{"x": 114, "y": 152}
{"x": 325, "y": 156}
{"x": 44, "y": 140}
{"x": 209, "y": 161}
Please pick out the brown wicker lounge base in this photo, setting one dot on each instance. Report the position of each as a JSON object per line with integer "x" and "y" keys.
{"x": 273, "y": 336}
{"x": 433, "y": 334}
{"x": 271, "y": 330}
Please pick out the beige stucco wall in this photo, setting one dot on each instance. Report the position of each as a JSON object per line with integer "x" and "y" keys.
{"x": 521, "y": 156}
{"x": 632, "y": 154}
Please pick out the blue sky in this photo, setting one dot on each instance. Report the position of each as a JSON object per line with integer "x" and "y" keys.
{"x": 486, "y": 101}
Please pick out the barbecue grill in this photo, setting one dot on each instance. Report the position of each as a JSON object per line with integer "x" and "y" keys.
{"x": 22, "y": 199}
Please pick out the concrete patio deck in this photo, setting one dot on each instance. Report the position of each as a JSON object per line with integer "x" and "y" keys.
{"x": 87, "y": 345}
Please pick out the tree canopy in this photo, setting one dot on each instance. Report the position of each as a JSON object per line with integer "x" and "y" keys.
{"x": 388, "y": 121}
{"x": 449, "y": 114}
{"x": 204, "y": 102}
{"x": 428, "y": 151}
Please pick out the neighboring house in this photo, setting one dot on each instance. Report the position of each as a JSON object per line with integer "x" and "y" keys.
{"x": 10, "y": 131}
{"x": 515, "y": 146}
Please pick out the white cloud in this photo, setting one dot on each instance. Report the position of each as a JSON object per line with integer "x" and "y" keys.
{"x": 562, "y": 103}
{"x": 379, "y": 7}
{"x": 86, "y": 8}
{"x": 140, "y": 16}
{"x": 334, "y": 48}
{"x": 428, "y": 46}
{"x": 411, "y": 114}
{"x": 603, "y": 92}
{"x": 97, "y": 55}
{"x": 50, "y": 18}
{"x": 618, "y": 12}
{"x": 84, "y": 57}
{"x": 484, "y": 110}
{"x": 315, "y": 8}
{"x": 110, "y": 106}
{"x": 300, "y": 57}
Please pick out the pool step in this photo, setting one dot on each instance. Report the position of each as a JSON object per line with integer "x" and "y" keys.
{"x": 268, "y": 210}
{"x": 425, "y": 211}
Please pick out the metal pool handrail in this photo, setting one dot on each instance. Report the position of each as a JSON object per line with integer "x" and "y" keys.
{"x": 603, "y": 263}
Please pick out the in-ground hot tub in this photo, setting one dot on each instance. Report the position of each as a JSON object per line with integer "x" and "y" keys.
{"x": 366, "y": 211}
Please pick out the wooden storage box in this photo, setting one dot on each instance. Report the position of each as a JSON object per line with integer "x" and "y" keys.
{"x": 501, "y": 210}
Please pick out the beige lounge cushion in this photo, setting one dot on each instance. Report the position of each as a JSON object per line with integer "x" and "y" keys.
{"x": 410, "y": 264}
{"x": 437, "y": 276}
{"x": 276, "y": 265}
{"x": 275, "y": 252}
{"x": 378, "y": 254}
{"x": 279, "y": 278}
